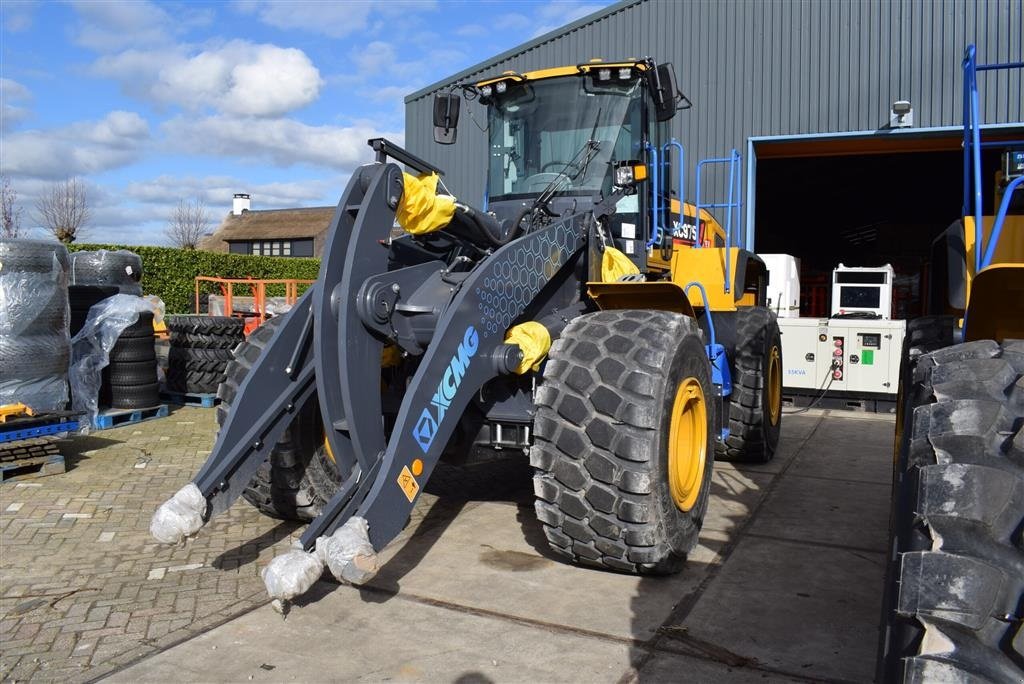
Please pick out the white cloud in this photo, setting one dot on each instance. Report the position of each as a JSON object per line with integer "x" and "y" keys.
{"x": 332, "y": 19}
{"x": 557, "y": 14}
{"x": 216, "y": 192}
{"x": 282, "y": 141}
{"x": 12, "y": 92}
{"x": 17, "y": 15}
{"x": 238, "y": 77}
{"x": 80, "y": 148}
{"x": 113, "y": 26}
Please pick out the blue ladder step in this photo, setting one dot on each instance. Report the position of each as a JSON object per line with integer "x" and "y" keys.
{"x": 190, "y": 398}
{"x": 117, "y": 417}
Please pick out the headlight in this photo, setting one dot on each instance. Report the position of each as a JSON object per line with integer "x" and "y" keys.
{"x": 625, "y": 74}
{"x": 604, "y": 74}
{"x": 624, "y": 176}
{"x": 486, "y": 91}
{"x": 501, "y": 86}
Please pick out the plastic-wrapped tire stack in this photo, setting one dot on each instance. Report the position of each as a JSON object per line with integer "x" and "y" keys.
{"x": 34, "y": 342}
{"x": 121, "y": 269}
{"x": 130, "y": 381}
{"x": 81, "y": 298}
{"x": 201, "y": 347}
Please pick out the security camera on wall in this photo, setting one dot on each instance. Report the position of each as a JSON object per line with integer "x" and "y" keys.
{"x": 901, "y": 115}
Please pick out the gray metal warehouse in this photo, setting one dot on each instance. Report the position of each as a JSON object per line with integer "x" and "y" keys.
{"x": 804, "y": 91}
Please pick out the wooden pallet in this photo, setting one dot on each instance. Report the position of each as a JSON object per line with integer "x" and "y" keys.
{"x": 30, "y": 458}
{"x": 112, "y": 418}
{"x": 190, "y": 398}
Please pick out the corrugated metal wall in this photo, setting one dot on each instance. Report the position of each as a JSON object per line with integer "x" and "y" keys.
{"x": 773, "y": 67}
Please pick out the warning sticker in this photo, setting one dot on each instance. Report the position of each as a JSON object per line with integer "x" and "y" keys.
{"x": 410, "y": 487}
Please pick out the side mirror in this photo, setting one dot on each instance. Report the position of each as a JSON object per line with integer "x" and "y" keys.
{"x": 446, "y": 117}
{"x": 662, "y": 82}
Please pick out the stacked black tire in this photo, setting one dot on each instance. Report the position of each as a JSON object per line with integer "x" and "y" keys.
{"x": 201, "y": 347}
{"x": 81, "y": 298}
{"x": 34, "y": 343}
{"x": 955, "y": 577}
{"x": 120, "y": 269}
{"x": 130, "y": 380}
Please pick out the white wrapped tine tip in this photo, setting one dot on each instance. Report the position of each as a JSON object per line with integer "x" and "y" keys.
{"x": 348, "y": 553}
{"x": 291, "y": 574}
{"x": 179, "y": 517}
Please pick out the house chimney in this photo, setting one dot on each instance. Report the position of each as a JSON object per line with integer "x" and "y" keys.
{"x": 240, "y": 203}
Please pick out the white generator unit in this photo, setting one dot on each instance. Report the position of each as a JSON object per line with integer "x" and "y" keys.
{"x": 783, "y": 284}
{"x": 862, "y": 292}
{"x": 859, "y": 357}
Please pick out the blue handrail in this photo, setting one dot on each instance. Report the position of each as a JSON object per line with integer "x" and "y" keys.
{"x": 707, "y": 309}
{"x": 732, "y": 204}
{"x": 666, "y": 151}
{"x": 972, "y": 158}
{"x": 997, "y": 225}
{"x": 655, "y": 198}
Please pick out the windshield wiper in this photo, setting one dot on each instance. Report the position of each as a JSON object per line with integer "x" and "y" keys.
{"x": 587, "y": 152}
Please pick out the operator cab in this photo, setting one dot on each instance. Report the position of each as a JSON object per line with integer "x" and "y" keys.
{"x": 562, "y": 139}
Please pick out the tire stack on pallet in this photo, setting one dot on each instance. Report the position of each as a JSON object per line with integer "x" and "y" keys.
{"x": 201, "y": 347}
{"x": 81, "y": 298}
{"x": 130, "y": 381}
{"x": 34, "y": 343}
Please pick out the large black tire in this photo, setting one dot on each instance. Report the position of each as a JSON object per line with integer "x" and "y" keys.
{"x": 202, "y": 341}
{"x": 135, "y": 397}
{"x": 956, "y": 575}
{"x": 602, "y": 440}
{"x": 121, "y": 269}
{"x": 199, "y": 359}
{"x": 295, "y": 482}
{"x": 142, "y": 327}
{"x": 34, "y": 356}
{"x": 131, "y": 373}
{"x": 131, "y": 349}
{"x": 221, "y": 326}
{"x": 194, "y": 382}
{"x": 33, "y": 256}
{"x": 754, "y": 409}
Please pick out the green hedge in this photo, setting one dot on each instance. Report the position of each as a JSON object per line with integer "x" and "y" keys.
{"x": 170, "y": 273}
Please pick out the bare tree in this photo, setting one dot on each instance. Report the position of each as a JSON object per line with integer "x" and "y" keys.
{"x": 11, "y": 226}
{"x": 189, "y": 222}
{"x": 63, "y": 210}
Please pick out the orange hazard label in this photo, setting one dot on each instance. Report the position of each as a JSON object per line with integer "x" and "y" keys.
{"x": 410, "y": 487}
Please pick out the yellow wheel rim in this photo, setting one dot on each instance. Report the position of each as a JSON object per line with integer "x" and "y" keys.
{"x": 774, "y": 385}
{"x": 687, "y": 444}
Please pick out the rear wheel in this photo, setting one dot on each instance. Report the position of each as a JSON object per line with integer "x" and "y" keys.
{"x": 623, "y": 440}
{"x": 299, "y": 477}
{"x": 956, "y": 574}
{"x": 754, "y": 409}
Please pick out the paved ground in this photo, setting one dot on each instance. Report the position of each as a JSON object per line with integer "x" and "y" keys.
{"x": 785, "y": 585}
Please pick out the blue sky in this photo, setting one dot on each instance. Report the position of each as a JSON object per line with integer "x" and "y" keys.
{"x": 152, "y": 103}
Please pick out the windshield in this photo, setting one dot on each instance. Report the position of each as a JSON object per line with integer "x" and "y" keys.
{"x": 561, "y": 133}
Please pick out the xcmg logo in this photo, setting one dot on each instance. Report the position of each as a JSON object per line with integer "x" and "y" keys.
{"x": 426, "y": 426}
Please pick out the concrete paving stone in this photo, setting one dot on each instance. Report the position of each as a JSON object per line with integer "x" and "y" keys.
{"x": 396, "y": 639}
{"x": 795, "y": 607}
{"x": 850, "y": 449}
{"x": 841, "y": 512}
{"x": 533, "y": 585}
{"x": 669, "y": 667}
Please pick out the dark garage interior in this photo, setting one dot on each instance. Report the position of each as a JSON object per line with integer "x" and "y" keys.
{"x": 862, "y": 210}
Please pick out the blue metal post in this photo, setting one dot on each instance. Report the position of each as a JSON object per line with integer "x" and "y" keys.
{"x": 655, "y": 198}
{"x": 997, "y": 225}
{"x": 667, "y": 151}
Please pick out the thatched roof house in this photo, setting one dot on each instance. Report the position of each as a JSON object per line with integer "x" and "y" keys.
{"x": 272, "y": 232}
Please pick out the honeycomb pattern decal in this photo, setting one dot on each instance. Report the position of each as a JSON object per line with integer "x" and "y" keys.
{"x": 521, "y": 270}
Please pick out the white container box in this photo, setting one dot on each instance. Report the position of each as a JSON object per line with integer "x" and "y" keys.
{"x": 783, "y": 284}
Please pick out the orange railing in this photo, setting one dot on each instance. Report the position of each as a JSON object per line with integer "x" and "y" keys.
{"x": 258, "y": 290}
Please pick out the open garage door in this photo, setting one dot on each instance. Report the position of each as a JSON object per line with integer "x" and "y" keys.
{"x": 861, "y": 200}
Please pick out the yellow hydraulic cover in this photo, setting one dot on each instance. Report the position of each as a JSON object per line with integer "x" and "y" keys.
{"x": 707, "y": 267}
{"x": 615, "y": 264}
{"x": 421, "y": 210}
{"x": 534, "y": 340}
